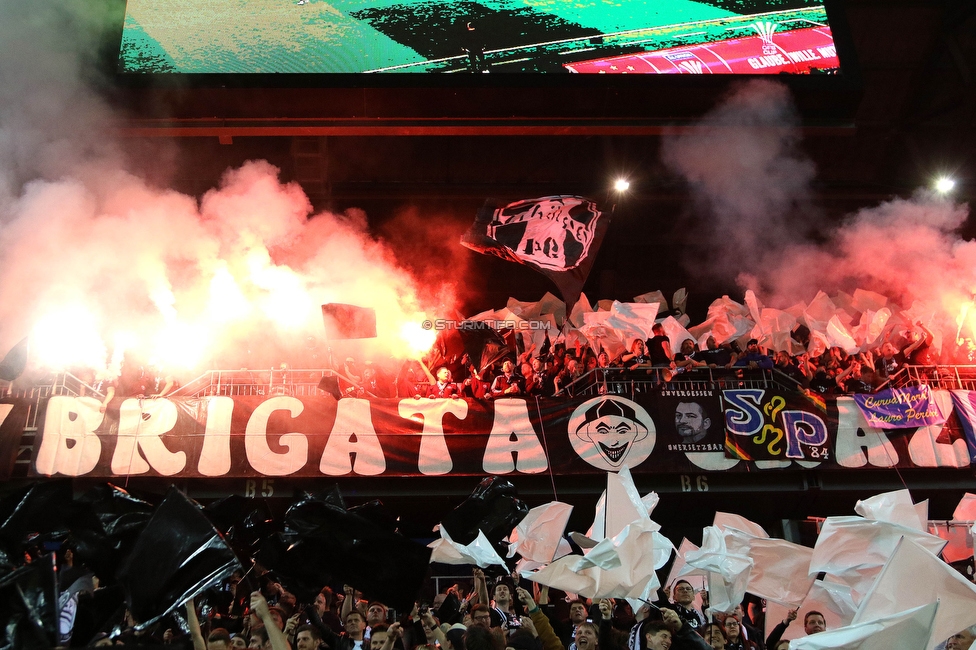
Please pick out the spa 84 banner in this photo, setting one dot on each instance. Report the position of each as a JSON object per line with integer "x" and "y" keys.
{"x": 764, "y": 424}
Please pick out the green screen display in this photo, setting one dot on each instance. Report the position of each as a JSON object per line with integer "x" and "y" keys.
{"x": 466, "y": 37}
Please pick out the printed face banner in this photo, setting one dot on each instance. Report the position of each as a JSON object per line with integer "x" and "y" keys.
{"x": 667, "y": 431}
{"x": 553, "y": 232}
{"x": 690, "y": 420}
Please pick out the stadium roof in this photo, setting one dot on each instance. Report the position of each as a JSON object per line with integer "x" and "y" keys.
{"x": 905, "y": 109}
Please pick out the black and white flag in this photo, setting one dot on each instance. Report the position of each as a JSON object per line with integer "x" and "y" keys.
{"x": 556, "y": 235}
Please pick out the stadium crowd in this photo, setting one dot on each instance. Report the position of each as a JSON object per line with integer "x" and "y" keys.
{"x": 578, "y": 360}
{"x": 560, "y": 371}
{"x": 482, "y": 614}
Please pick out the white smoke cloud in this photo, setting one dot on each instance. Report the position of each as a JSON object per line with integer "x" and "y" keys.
{"x": 745, "y": 170}
{"x": 751, "y": 183}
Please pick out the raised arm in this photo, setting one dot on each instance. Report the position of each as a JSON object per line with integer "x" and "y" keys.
{"x": 194, "y": 624}
{"x": 780, "y": 628}
{"x": 347, "y": 602}
{"x": 109, "y": 394}
{"x": 168, "y": 384}
{"x": 684, "y": 636}
{"x": 430, "y": 376}
{"x": 430, "y": 623}
{"x": 260, "y": 607}
{"x": 393, "y": 633}
{"x": 542, "y": 626}
{"x": 481, "y": 587}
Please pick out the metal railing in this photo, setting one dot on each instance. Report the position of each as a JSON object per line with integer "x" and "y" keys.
{"x": 620, "y": 381}
{"x": 617, "y": 380}
{"x": 57, "y": 384}
{"x": 938, "y": 376}
{"x": 63, "y": 383}
{"x": 297, "y": 383}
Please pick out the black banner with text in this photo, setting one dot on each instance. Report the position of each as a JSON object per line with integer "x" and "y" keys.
{"x": 669, "y": 431}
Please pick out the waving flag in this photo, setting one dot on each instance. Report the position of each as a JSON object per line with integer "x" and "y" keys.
{"x": 728, "y": 570}
{"x": 906, "y": 629}
{"x": 480, "y": 552}
{"x": 855, "y": 549}
{"x": 780, "y": 570}
{"x": 835, "y": 601}
{"x": 539, "y": 537}
{"x": 348, "y": 322}
{"x": 558, "y": 236}
{"x": 914, "y": 576}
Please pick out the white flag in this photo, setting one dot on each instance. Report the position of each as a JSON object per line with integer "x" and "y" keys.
{"x": 726, "y": 520}
{"x": 539, "y": 536}
{"x": 914, "y": 576}
{"x": 966, "y": 510}
{"x": 831, "y": 599}
{"x": 854, "y": 549}
{"x": 680, "y": 568}
{"x": 906, "y": 630}
{"x": 780, "y": 570}
{"x": 728, "y": 571}
{"x": 618, "y": 567}
{"x": 479, "y": 552}
{"x": 894, "y": 507}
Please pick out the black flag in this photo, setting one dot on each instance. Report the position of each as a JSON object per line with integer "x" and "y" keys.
{"x": 558, "y": 236}
{"x": 178, "y": 555}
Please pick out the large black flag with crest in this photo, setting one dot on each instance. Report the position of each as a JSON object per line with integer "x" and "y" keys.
{"x": 558, "y": 236}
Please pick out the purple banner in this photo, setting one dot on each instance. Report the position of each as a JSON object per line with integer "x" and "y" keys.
{"x": 900, "y": 408}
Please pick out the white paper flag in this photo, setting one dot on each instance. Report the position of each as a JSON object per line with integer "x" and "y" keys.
{"x": 635, "y": 551}
{"x": 834, "y": 600}
{"x": 780, "y": 570}
{"x": 479, "y": 552}
{"x": 914, "y": 576}
{"x": 726, "y": 520}
{"x": 854, "y": 549}
{"x": 894, "y": 507}
{"x": 966, "y": 510}
{"x": 728, "y": 572}
{"x": 906, "y": 630}
{"x": 539, "y": 535}
{"x": 680, "y": 568}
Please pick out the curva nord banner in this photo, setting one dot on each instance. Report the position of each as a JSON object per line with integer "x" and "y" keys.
{"x": 668, "y": 431}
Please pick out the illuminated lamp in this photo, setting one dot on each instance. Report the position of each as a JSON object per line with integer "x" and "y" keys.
{"x": 944, "y": 185}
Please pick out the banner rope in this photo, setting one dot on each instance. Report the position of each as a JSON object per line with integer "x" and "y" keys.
{"x": 542, "y": 423}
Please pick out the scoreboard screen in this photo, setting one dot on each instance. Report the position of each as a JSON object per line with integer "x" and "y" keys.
{"x": 485, "y": 37}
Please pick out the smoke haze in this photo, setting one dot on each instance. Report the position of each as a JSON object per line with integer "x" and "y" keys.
{"x": 751, "y": 183}
{"x": 746, "y": 172}
{"x": 95, "y": 259}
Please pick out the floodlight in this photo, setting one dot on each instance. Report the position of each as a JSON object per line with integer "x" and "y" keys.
{"x": 944, "y": 185}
